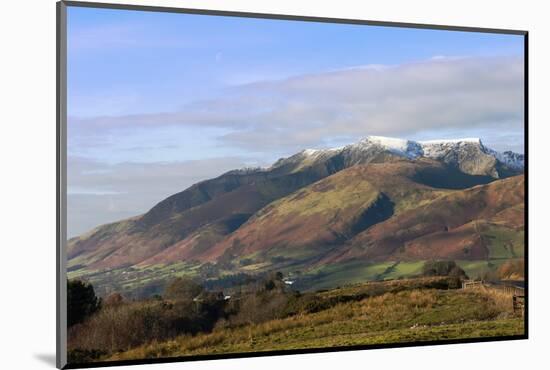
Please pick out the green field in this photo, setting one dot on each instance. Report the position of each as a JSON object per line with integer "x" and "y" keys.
{"x": 149, "y": 280}
{"x": 504, "y": 242}
{"x": 340, "y": 274}
{"x": 476, "y": 269}
{"x": 134, "y": 280}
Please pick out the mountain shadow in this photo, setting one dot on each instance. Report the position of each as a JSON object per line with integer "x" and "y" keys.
{"x": 449, "y": 177}
{"x": 381, "y": 210}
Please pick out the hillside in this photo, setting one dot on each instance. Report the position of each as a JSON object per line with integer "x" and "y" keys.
{"x": 330, "y": 212}
{"x": 378, "y": 213}
{"x": 452, "y": 226}
{"x": 203, "y": 213}
{"x": 380, "y": 202}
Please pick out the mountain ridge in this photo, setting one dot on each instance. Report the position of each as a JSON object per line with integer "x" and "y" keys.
{"x": 453, "y": 151}
{"x": 332, "y": 198}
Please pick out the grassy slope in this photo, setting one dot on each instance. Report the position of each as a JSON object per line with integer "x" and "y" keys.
{"x": 316, "y": 218}
{"x": 480, "y": 223}
{"x": 449, "y": 227}
{"x": 353, "y": 272}
{"x": 216, "y": 202}
{"x": 413, "y": 315}
{"x": 299, "y": 229}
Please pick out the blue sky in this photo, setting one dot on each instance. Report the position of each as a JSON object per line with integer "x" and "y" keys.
{"x": 158, "y": 89}
{"x": 159, "y": 61}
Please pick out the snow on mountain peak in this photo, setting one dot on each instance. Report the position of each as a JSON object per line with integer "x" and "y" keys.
{"x": 404, "y": 147}
{"x": 316, "y": 152}
{"x": 310, "y": 151}
{"x": 434, "y": 149}
{"x": 439, "y": 148}
{"x": 388, "y": 141}
{"x": 472, "y": 140}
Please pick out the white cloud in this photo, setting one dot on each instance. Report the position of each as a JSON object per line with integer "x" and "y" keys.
{"x": 438, "y": 94}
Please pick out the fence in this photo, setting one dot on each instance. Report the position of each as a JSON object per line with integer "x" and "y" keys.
{"x": 466, "y": 284}
{"x": 517, "y": 293}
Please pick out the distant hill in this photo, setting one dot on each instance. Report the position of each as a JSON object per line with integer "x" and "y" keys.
{"x": 381, "y": 199}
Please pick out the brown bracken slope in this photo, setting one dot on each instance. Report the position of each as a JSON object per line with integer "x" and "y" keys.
{"x": 395, "y": 210}
{"x": 377, "y": 212}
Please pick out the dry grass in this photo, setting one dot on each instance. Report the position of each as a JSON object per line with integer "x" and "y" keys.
{"x": 128, "y": 325}
{"x": 388, "y": 318}
{"x": 500, "y": 299}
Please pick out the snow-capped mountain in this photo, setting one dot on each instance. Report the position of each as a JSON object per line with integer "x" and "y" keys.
{"x": 469, "y": 155}
{"x": 325, "y": 202}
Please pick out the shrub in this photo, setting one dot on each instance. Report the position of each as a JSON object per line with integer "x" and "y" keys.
{"x": 121, "y": 327}
{"x": 443, "y": 268}
{"x": 259, "y": 307}
{"x": 82, "y": 356}
{"x": 113, "y": 299}
{"x": 81, "y": 301}
{"x": 230, "y": 281}
{"x": 183, "y": 288}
